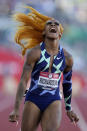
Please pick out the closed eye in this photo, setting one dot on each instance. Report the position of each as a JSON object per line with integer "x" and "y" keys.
{"x": 56, "y": 23}
{"x": 50, "y": 22}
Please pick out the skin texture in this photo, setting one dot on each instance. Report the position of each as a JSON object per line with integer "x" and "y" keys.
{"x": 50, "y": 119}
{"x": 31, "y": 117}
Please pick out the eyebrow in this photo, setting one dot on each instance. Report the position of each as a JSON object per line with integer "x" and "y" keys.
{"x": 50, "y": 22}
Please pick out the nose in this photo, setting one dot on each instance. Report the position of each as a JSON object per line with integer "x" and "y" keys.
{"x": 52, "y": 24}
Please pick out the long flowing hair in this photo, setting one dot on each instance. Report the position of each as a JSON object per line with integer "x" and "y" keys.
{"x": 29, "y": 32}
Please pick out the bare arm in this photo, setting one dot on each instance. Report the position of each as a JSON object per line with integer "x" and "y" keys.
{"x": 31, "y": 58}
{"x": 23, "y": 83}
{"x": 68, "y": 61}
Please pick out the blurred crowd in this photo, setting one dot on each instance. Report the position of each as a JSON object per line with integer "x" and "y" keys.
{"x": 73, "y": 16}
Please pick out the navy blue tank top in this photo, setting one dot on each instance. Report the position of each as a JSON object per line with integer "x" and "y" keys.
{"x": 43, "y": 82}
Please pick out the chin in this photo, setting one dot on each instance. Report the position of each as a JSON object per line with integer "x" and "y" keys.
{"x": 52, "y": 36}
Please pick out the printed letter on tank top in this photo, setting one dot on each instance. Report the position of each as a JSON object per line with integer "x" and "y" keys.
{"x": 48, "y": 81}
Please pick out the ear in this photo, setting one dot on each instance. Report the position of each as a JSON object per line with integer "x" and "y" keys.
{"x": 60, "y": 36}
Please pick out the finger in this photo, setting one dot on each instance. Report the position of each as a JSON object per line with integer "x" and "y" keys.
{"x": 16, "y": 123}
{"x": 71, "y": 118}
{"x": 74, "y": 116}
{"x": 74, "y": 123}
{"x": 13, "y": 118}
{"x": 76, "y": 119}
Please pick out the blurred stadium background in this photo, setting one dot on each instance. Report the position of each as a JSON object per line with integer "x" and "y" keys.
{"x": 73, "y": 16}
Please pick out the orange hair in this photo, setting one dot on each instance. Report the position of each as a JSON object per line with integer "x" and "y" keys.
{"x": 31, "y": 28}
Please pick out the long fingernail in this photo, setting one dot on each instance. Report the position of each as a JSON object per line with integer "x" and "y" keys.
{"x": 16, "y": 123}
{"x": 74, "y": 123}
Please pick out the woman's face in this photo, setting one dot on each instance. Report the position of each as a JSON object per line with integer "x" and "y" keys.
{"x": 52, "y": 29}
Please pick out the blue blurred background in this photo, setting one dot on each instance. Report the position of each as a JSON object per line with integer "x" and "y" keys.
{"x": 72, "y": 14}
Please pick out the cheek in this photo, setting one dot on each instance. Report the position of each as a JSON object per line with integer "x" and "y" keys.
{"x": 47, "y": 29}
{"x": 59, "y": 29}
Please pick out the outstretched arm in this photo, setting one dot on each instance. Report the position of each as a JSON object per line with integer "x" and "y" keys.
{"x": 31, "y": 58}
{"x": 67, "y": 86}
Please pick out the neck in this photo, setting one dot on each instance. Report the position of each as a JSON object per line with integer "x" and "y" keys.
{"x": 52, "y": 45}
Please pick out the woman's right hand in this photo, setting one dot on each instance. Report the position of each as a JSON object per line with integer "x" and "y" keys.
{"x": 14, "y": 116}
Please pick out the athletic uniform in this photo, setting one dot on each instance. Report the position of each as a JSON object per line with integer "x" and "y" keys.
{"x": 44, "y": 87}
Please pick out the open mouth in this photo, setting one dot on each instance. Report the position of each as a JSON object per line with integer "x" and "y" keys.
{"x": 53, "y": 30}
